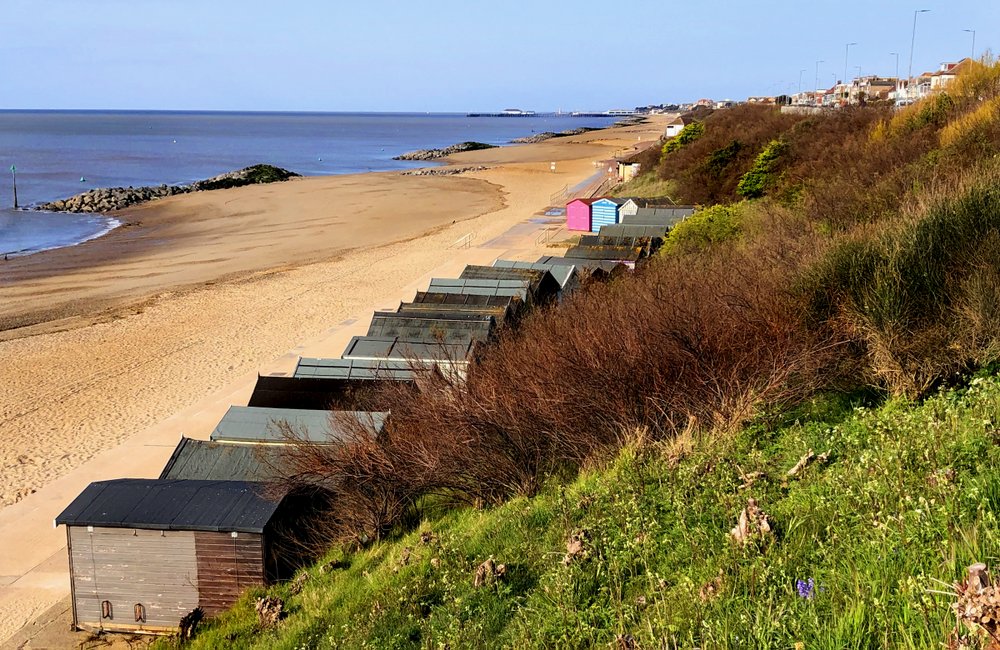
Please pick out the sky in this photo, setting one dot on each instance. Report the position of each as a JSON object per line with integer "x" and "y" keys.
{"x": 459, "y": 55}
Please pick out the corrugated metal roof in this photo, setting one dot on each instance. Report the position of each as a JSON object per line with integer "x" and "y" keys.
{"x": 515, "y": 288}
{"x": 544, "y": 286}
{"x": 219, "y": 461}
{"x": 608, "y": 240}
{"x": 364, "y": 369}
{"x": 633, "y": 230}
{"x": 657, "y": 216}
{"x": 373, "y": 347}
{"x": 154, "y": 504}
{"x": 613, "y": 253}
{"x": 562, "y": 274}
{"x": 250, "y": 424}
{"x": 604, "y": 265}
{"x": 439, "y": 299}
{"x": 461, "y": 328}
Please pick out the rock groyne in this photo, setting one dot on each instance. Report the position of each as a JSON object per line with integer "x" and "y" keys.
{"x": 434, "y": 154}
{"x": 548, "y": 135}
{"x": 108, "y": 199}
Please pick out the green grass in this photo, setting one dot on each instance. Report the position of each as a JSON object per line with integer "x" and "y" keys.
{"x": 646, "y": 186}
{"x": 906, "y": 500}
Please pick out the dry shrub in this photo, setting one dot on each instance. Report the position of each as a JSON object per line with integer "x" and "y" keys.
{"x": 676, "y": 346}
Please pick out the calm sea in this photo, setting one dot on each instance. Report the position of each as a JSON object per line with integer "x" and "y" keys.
{"x": 61, "y": 153}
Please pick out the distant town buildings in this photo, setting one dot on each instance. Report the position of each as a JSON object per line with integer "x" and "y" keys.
{"x": 859, "y": 91}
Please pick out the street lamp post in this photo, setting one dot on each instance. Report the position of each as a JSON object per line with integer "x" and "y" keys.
{"x": 973, "y": 32}
{"x": 816, "y": 91}
{"x": 913, "y": 40}
{"x": 800, "y": 79}
{"x": 847, "y": 51}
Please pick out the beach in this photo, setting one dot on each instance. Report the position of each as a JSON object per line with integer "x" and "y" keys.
{"x": 197, "y": 293}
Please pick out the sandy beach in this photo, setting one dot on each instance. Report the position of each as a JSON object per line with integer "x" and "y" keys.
{"x": 200, "y": 291}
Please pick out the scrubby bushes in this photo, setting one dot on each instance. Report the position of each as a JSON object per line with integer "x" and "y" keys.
{"x": 755, "y": 182}
{"x": 691, "y": 132}
{"x": 682, "y": 344}
{"x": 858, "y": 276}
{"x": 706, "y": 228}
{"x": 921, "y": 295}
{"x": 707, "y": 170}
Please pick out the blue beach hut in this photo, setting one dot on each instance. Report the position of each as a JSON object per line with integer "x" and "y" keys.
{"x": 604, "y": 212}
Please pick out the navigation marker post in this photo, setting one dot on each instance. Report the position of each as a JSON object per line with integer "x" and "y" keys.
{"x": 13, "y": 176}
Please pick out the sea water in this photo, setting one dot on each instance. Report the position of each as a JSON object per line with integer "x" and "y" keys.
{"x": 61, "y": 153}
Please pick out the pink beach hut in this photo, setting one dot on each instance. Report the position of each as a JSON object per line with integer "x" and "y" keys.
{"x": 578, "y": 214}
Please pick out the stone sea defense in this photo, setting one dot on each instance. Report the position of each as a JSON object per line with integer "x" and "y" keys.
{"x": 108, "y": 199}
{"x": 548, "y": 135}
{"x": 442, "y": 171}
{"x": 434, "y": 154}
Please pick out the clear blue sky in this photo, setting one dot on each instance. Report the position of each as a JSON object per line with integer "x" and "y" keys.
{"x": 456, "y": 55}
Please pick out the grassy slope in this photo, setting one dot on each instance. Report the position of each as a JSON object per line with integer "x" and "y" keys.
{"x": 907, "y": 498}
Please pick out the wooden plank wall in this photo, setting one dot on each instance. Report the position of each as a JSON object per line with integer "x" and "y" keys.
{"x": 227, "y": 565}
{"x": 129, "y": 567}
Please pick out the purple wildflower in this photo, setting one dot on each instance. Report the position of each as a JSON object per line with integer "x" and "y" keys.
{"x": 805, "y": 588}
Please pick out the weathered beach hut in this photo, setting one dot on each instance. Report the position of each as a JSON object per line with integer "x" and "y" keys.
{"x": 505, "y": 309}
{"x": 632, "y": 230}
{"x": 647, "y": 245}
{"x": 359, "y": 369}
{"x": 455, "y": 328}
{"x": 429, "y": 354}
{"x": 318, "y": 393}
{"x": 578, "y": 214}
{"x": 220, "y": 461}
{"x": 543, "y": 286}
{"x": 604, "y": 211}
{"x": 606, "y": 266}
{"x": 623, "y": 254}
{"x": 144, "y": 553}
{"x": 261, "y": 426}
{"x": 659, "y": 216}
{"x": 514, "y": 288}
{"x": 565, "y": 276}
{"x": 633, "y": 204}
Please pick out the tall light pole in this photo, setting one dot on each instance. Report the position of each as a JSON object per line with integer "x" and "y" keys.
{"x": 847, "y": 51}
{"x": 896, "y": 54}
{"x": 913, "y": 40}
{"x": 973, "y": 32}
{"x": 816, "y": 87}
{"x": 800, "y": 79}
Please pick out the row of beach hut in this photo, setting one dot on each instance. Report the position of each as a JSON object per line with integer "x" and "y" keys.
{"x": 146, "y": 553}
{"x": 591, "y": 215}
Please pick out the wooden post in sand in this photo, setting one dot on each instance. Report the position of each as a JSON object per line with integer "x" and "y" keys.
{"x": 13, "y": 176}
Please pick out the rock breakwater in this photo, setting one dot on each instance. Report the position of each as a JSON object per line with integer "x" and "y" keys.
{"x": 434, "y": 154}
{"x": 548, "y": 135}
{"x": 108, "y": 199}
{"x": 443, "y": 171}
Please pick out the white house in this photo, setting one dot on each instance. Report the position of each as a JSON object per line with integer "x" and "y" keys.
{"x": 675, "y": 126}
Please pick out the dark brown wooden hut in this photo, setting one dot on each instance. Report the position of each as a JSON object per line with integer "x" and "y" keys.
{"x": 143, "y": 553}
